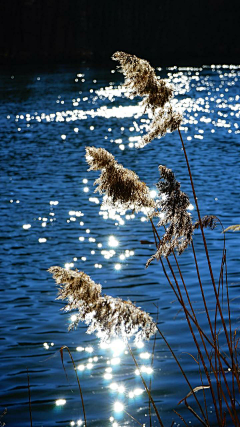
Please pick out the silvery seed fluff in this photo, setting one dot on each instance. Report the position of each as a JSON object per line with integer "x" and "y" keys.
{"x": 108, "y": 317}
{"x": 141, "y": 79}
{"x": 175, "y": 218}
{"x": 122, "y": 186}
{"x": 165, "y": 120}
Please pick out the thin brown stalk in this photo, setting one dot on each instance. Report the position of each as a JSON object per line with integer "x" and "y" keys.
{"x": 204, "y": 394}
{"x": 215, "y": 371}
{"x": 217, "y": 352}
{"x": 181, "y": 418}
{"x": 134, "y": 419}
{"x": 180, "y": 300}
{"x": 205, "y": 244}
{"x": 235, "y": 371}
{"x": 197, "y": 345}
{"x": 207, "y": 254}
{"x": 146, "y": 387}
{"x": 150, "y": 383}
{"x": 198, "y": 349}
{"x": 194, "y": 336}
{"x": 195, "y": 414}
{"x": 217, "y": 357}
{"x": 75, "y": 369}
{"x": 181, "y": 369}
{"x": 29, "y": 398}
{"x": 202, "y": 292}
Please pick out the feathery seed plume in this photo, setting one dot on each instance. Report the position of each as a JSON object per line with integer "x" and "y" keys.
{"x": 174, "y": 204}
{"x": 122, "y": 186}
{"x": 107, "y": 316}
{"x": 207, "y": 221}
{"x": 165, "y": 120}
{"x": 141, "y": 79}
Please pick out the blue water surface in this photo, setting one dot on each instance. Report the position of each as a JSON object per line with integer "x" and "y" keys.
{"x": 50, "y": 216}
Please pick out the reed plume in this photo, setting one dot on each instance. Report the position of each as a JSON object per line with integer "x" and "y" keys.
{"x": 107, "y": 316}
{"x": 141, "y": 80}
{"x": 174, "y": 216}
{"x": 207, "y": 221}
{"x": 166, "y": 119}
{"x": 122, "y": 186}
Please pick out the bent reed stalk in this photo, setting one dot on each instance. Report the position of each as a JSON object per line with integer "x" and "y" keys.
{"x": 216, "y": 353}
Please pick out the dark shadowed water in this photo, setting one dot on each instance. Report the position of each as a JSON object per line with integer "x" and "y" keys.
{"x": 51, "y": 216}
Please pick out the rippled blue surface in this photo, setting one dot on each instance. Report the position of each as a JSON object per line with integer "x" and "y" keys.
{"x": 47, "y": 119}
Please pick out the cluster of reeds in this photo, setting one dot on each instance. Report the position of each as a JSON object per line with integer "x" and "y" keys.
{"x": 216, "y": 347}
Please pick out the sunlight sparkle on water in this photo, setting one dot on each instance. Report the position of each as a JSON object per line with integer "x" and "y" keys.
{"x": 26, "y": 226}
{"x": 115, "y": 361}
{"x": 117, "y": 346}
{"x": 107, "y": 376}
{"x": 81, "y": 367}
{"x": 147, "y": 369}
{"x": 112, "y": 241}
{"x": 89, "y": 349}
{"x": 42, "y": 240}
{"x": 121, "y": 389}
{"x": 113, "y": 386}
{"x": 145, "y": 355}
{"x": 89, "y": 366}
{"x": 60, "y": 402}
{"x": 138, "y": 391}
{"x": 139, "y": 344}
{"x": 69, "y": 265}
{"x": 118, "y": 406}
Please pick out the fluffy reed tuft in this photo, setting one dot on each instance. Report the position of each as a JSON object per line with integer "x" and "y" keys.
{"x": 107, "y": 316}
{"x": 141, "y": 79}
{"x": 165, "y": 120}
{"x": 174, "y": 204}
{"x": 207, "y": 221}
{"x": 122, "y": 186}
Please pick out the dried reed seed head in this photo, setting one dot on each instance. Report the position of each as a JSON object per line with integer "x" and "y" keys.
{"x": 78, "y": 286}
{"x": 142, "y": 80}
{"x": 174, "y": 216}
{"x": 98, "y": 158}
{"x": 113, "y": 317}
{"x": 121, "y": 185}
{"x": 164, "y": 120}
{"x": 207, "y": 221}
{"x": 107, "y": 316}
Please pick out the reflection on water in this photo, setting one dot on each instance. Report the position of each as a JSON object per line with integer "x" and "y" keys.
{"x": 50, "y": 215}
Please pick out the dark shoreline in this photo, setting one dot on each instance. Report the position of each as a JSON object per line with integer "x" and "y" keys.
{"x": 48, "y": 64}
{"x": 88, "y": 32}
